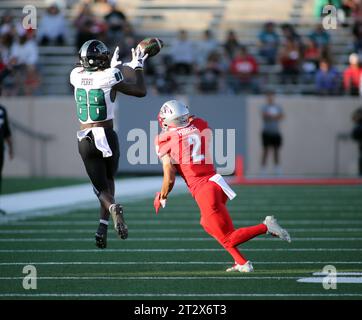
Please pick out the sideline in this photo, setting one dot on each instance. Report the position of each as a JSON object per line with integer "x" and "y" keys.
{"x": 23, "y": 205}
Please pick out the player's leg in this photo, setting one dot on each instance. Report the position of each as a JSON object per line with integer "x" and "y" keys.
{"x": 95, "y": 166}
{"x": 277, "y": 140}
{"x": 360, "y": 159}
{"x": 233, "y": 251}
{"x": 209, "y": 200}
{"x": 241, "y": 235}
{"x": 264, "y": 156}
{"x": 217, "y": 218}
{"x": 116, "y": 209}
{"x": 1, "y": 170}
{"x": 1, "y": 165}
{"x": 244, "y": 234}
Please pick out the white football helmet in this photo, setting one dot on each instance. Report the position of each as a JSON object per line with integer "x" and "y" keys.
{"x": 173, "y": 114}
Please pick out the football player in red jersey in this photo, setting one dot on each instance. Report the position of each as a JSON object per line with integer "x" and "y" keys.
{"x": 183, "y": 148}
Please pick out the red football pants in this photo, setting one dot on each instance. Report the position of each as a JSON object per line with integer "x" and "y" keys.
{"x": 216, "y": 221}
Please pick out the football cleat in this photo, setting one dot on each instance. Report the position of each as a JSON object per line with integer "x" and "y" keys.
{"x": 118, "y": 219}
{"x": 275, "y": 229}
{"x": 101, "y": 236}
{"x": 101, "y": 240}
{"x": 246, "y": 267}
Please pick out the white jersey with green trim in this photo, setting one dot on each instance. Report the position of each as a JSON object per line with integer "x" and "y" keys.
{"x": 92, "y": 93}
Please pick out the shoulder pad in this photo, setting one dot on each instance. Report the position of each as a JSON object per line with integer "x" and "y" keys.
{"x": 112, "y": 76}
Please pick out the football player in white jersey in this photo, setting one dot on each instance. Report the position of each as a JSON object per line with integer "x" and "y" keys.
{"x": 96, "y": 83}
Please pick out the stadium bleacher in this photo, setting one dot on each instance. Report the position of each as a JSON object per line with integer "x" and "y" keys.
{"x": 163, "y": 18}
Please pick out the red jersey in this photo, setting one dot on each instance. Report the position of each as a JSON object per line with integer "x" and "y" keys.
{"x": 352, "y": 77}
{"x": 244, "y": 67}
{"x": 188, "y": 148}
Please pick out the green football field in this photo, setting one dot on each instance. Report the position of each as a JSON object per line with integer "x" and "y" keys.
{"x": 169, "y": 256}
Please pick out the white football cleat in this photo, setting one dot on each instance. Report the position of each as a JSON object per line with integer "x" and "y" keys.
{"x": 275, "y": 229}
{"x": 247, "y": 267}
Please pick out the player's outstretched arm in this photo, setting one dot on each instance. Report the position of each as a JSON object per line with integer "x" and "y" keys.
{"x": 169, "y": 175}
{"x": 134, "y": 82}
{"x": 134, "y": 85}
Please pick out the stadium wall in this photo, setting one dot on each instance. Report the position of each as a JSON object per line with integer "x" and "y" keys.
{"x": 310, "y": 130}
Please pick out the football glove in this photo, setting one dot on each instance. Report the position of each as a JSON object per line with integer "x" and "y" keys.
{"x": 138, "y": 59}
{"x": 158, "y": 203}
{"x": 114, "y": 61}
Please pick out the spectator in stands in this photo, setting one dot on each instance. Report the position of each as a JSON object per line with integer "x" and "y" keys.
{"x": 289, "y": 59}
{"x": 269, "y": 43}
{"x": 210, "y": 76}
{"x": 327, "y": 79}
{"x": 8, "y": 24}
{"x": 165, "y": 82}
{"x": 231, "y": 44}
{"x": 272, "y": 114}
{"x": 357, "y": 135}
{"x": 102, "y": 7}
{"x": 5, "y": 138}
{"x": 25, "y": 52}
{"x": 352, "y": 76}
{"x": 128, "y": 41}
{"x": 52, "y": 27}
{"x": 320, "y": 36}
{"x": 347, "y": 7}
{"x": 88, "y": 26}
{"x": 311, "y": 58}
{"x": 289, "y": 33}
{"x": 356, "y": 9}
{"x": 5, "y": 73}
{"x": 205, "y": 47}
{"x": 244, "y": 69}
{"x": 182, "y": 52}
{"x": 6, "y": 40}
{"x": 7, "y": 79}
{"x": 357, "y": 36}
{"x": 116, "y": 21}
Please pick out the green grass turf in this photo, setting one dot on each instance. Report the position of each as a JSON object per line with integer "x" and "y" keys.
{"x": 14, "y": 184}
{"x": 169, "y": 256}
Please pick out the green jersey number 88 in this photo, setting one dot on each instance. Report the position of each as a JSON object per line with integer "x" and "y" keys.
{"x": 91, "y": 104}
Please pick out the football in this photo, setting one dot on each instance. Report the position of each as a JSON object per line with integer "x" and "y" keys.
{"x": 152, "y": 46}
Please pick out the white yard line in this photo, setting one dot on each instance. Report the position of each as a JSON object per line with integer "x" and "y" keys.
{"x": 165, "y": 230}
{"x": 168, "y": 262}
{"x": 154, "y": 221}
{"x": 109, "y": 295}
{"x": 178, "y": 239}
{"x": 160, "y": 278}
{"x": 165, "y": 250}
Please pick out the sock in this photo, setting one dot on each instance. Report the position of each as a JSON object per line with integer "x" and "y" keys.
{"x": 103, "y": 221}
{"x": 242, "y": 235}
{"x": 103, "y": 226}
{"x": 238, "y": 257}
